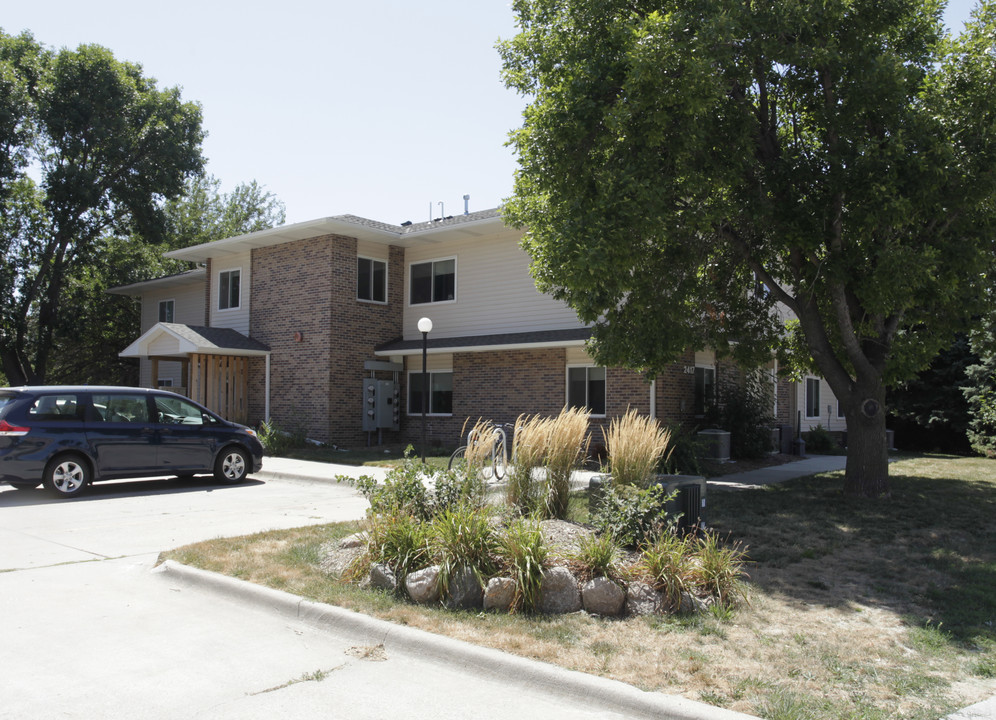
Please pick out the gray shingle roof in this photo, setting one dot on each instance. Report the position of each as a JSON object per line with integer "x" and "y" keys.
{"x": 221, "y": 338}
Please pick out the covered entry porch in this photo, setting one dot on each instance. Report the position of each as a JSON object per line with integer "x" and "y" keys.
{"x": 214, "y": 365}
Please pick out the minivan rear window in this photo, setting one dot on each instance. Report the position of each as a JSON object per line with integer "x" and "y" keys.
{"x": 64, "y": 407}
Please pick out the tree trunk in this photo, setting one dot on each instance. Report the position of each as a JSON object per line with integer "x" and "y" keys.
{"x": 867, "y": 473}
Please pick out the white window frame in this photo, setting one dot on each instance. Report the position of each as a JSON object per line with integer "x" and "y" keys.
{"x": 171, "y": 303}
{"x": 432, "y": 262}
{"x": 587, "y": 387}
{"x": 386, "y": 280}
{"x": 429, "y": 412}
{"x": 805, "y": 398}
{"x": 164, "y": 382}
{"x": 229, "y": 271}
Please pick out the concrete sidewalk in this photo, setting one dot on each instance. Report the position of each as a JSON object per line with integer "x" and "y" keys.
{"x": 780, "y": 473}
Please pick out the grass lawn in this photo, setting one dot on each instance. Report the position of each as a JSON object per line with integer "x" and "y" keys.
{"x": 859, "y": 609}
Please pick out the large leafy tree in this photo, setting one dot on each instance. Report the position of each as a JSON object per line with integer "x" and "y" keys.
{"x": 202, "y": 214}
{"x": 687, "y": 167}
{"x": 108, "y": 148}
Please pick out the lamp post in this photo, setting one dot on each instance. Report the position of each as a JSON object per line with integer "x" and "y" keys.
{"x": 424, "y": 327}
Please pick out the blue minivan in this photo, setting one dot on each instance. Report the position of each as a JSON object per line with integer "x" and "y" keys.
{"x": 69, "y": 436}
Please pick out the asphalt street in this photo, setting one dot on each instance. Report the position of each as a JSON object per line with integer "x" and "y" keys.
{"x": 92, "y": 629}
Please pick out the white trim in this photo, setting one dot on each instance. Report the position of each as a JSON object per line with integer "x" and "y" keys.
{"x": 387, "y": 280}
{"x": 217, "y": 297}
{"x": 432, "y": 261}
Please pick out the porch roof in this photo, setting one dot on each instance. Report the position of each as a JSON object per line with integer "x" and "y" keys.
{"x": 179, "y": 340}
{"x": 573, "y": 337}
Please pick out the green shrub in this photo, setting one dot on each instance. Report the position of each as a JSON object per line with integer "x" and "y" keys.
{"x": 403, "y": 491}
{"x": 686, "y": 449}
{"x": 523, "y": 556}
{"x": 632, "y": 515}
{"x": 819, "y": 440}
{"x": 277, "y": 442}
{"x": 744, "y": 410}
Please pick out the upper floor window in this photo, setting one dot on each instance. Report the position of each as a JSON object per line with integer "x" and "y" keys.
{"x": 812, "y": 397}
{"x": 166, "y": 311}
{"x": 229, "y": 289}
{"x": 371, "y": 280}
{"x": 586, "y": 389}
{"x": 433, "y": 281}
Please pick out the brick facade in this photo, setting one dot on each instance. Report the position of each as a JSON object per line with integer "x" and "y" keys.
{"x": 305, "y": 309}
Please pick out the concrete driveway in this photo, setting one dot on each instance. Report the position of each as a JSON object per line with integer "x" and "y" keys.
{"x": 90, "y": 630}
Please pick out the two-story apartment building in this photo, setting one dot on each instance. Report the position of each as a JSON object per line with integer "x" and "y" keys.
{"x": 315, "y": 324}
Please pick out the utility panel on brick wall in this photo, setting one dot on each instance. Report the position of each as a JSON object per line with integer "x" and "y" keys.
{"x": 381, "y": 405}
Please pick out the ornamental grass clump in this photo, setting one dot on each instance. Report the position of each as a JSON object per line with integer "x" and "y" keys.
{"x": 463, "y": 537}
{"x": 567, "y": 448}
{"x": 637, "y": 446}
{"x": 524, "y": 491}
{"x": 669, "y": 564}
{"x": 523, "y": 556}
{"x": 719, "y": 570}
{"x": 402, "y": 542}
{"x": 480, "y": 442}
{"x": 596, "y": 556}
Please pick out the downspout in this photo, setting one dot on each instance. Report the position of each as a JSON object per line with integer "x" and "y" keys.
{"x": 266, "y": 392}
{"x": 653, "y": 398}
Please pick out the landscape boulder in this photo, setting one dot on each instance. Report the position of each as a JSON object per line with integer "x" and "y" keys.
{"x": 382, "y": 577}
{"x": 499, "y": 595}
{"x": 601, "y": 596}
{"x": 559, "y": 592}
{"x": 465, "y": 590}
{"x": 642, "y": 599}
{"x": 423, "y": 585}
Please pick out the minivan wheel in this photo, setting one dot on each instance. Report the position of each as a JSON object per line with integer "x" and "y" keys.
{"x": 232, "y": 466}
{"x": 67, "y": 476}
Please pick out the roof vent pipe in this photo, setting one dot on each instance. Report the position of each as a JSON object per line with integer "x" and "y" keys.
{"x": 466, "y": 204}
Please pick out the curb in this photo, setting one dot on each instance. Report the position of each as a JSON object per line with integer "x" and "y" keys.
{"x": 568, "y": 684}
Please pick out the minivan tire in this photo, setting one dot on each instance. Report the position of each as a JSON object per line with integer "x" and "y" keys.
{"x": 232, "y": 466}
{"x": 67, "y": 475}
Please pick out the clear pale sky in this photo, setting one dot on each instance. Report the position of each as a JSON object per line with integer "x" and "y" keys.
{"x": 378, "y": 108}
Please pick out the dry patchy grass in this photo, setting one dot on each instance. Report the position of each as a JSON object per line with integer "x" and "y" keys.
{"x": 859, "y": 609}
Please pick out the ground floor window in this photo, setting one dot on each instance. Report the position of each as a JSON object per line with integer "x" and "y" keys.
{"x": 705, "y": 389}
{"x": 586, "y": 389}
{"x": 812, "y": 397}
{"x": 440, "y": 393}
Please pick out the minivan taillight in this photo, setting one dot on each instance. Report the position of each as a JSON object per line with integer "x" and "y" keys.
{"x": 8, "y": 430}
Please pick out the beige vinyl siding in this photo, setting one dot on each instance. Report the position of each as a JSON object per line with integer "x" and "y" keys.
{"x": 494, "y": 292}
{"x": 827, "y": 398}
{"x": 236, "y": 318}
{"x": 578, "y": 356}
{"x": 188, "y": 308}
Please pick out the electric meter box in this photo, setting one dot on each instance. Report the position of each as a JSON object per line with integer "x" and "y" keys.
{"x": 381, "y": 405}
